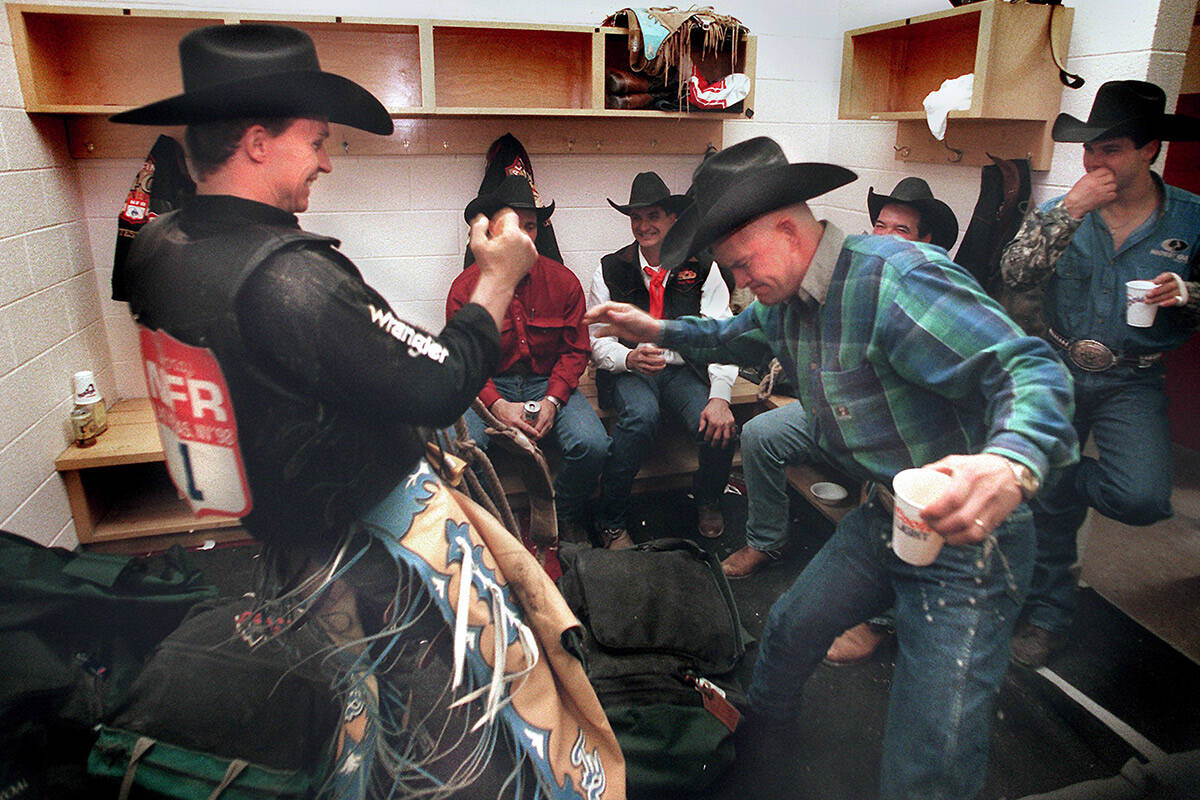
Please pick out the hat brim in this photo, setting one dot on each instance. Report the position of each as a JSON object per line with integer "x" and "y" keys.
{"x": 1169, "y": 128}
{"x": 750, "y": 195}
{"x": 672, "y": 204}
{"x": 939, "y": 218}
{"x": 489, "y": 204}
{"x": 289, "y": 94}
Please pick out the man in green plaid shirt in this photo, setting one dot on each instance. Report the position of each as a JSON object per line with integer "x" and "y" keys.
{"x": 900, "y": 361}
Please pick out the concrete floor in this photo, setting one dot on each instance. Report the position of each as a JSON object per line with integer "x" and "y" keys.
{"x": 1153, "y": 573}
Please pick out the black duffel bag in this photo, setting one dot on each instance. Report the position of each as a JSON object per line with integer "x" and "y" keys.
{"x": 212, "y": 717}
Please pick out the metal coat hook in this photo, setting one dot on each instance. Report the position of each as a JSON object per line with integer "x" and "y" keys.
{"x": 904, "y": 151}
{"x": 345, "y": 146}
{"x": 956, "y": 154}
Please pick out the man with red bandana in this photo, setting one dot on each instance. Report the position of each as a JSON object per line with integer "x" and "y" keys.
{"x": 641, "y": 380}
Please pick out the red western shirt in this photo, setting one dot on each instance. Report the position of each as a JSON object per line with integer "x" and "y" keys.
{"x": 543, "y": 331}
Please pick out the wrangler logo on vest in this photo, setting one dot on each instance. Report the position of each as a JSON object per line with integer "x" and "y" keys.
{"x": 419, "y": 344}
{"x": 196, "y": 423}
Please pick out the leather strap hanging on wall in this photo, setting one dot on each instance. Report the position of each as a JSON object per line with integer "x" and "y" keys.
{"x": 1069, "y": 79}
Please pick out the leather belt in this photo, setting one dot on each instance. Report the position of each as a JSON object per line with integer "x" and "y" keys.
{"x": 1093, "y": 356}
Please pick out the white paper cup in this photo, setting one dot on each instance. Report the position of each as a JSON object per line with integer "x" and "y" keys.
{"x": 912, "y": 540}
{"x": 1138, "y": 312}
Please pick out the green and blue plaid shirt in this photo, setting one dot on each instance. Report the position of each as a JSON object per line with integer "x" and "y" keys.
{"x": 900, "y": 359}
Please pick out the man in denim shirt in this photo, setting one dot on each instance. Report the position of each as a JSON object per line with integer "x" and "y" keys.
{"x": 1118, "y": 223}
{"x": 900, "y": 360}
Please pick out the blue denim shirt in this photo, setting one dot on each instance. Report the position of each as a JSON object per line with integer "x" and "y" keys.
{"x": 1085, "y": 296}
{"x": 901, "y": 359}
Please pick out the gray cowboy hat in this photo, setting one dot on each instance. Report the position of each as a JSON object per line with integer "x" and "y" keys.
{"x": 1127, "y": 108}
{"x": 516, "y": 192}
{"x": 234, "y": 71}
{"x": 936, "y": 216}
{"x": 649, "y": 190}
{"x": 735, "y": 185}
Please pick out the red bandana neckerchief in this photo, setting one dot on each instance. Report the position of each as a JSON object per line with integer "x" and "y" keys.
{"x": 657, "y": 277}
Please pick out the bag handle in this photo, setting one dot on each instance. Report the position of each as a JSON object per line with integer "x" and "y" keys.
{"x": 143, "y": 744}
{"x": 235, "y": 768}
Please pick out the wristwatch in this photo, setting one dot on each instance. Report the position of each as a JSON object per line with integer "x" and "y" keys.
{"x": 558, "y": 404}
{"x": 1028, "y": 482}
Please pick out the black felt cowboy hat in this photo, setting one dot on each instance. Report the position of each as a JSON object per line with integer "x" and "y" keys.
{"x": 936, "y": 216}
{"x": 234, "y": 71}
{"x": 515, "y": 191}
{"x": 735, "y": 185}
{"x": 1127, "y": 108}
{"x": 649, "y": 190}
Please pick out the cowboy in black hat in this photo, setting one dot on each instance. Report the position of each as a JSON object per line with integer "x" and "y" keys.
{"x": 912, "y": 212}
{"x": 290, "y": 394}
{"x": 899, "y": 358}
{"x": 640, "y": 380}
{"x": 1118, "y": 223}
{"x": 543, "y": 353}
{"x": 303, "y": 342}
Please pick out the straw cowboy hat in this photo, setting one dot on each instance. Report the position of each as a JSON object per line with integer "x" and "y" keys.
{"x": 515, "y": 191}
{"x": 735, "y": 185}
{"x": 649, "y": 190}
{"x": 233, "y": 71}
{"x": 936, "y": 216}
{"x": 1127, "y": 108}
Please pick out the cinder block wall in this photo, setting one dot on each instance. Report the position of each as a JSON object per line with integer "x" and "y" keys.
{"x": 400, "y": 217}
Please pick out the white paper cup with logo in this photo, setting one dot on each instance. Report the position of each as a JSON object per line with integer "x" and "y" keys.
{"x": 912, "y": 539}
{"x": 1138, "y": 312}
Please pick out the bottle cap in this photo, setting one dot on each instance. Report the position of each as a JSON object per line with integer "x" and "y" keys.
{"x": 85, "y": 388}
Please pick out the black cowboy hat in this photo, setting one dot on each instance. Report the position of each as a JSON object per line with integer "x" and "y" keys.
{"x": 233, "y": 71}
{"x": 1127, "y": 108}
{"x": 735, "y": 185}
{"x": 936, "y": 216}
{"x": 515, "y": 191}
{"x": 649, "y": 190}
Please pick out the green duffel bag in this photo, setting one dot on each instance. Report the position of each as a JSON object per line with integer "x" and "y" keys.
{"x": 212, "y": 716}
{"x": 165, "y": 770}
{"x": 662, "y": 640}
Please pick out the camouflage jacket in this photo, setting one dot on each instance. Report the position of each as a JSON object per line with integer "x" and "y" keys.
{"x": 1028, "y": 262}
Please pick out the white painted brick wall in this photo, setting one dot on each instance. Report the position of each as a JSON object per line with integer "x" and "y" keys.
{"x": 402, "y": 216}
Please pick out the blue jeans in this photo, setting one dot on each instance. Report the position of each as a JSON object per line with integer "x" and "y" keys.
{"x": 954, "y": 621}
{"x": 578, "y": 431}
{"x": 639, "y": 400}
{"x": 1125, "y": 411}
{"x": 771, "y": 441}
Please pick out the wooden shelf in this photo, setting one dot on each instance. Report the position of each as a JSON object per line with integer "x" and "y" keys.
{"x": 889, "y": 69}
{"x": 119, "y": 488}
{"x": 434, "y": 77}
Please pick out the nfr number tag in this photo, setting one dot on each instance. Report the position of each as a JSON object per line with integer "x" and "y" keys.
{"x": 196, "y": 423}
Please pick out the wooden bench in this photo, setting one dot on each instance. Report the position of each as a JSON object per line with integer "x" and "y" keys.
{"x": 801, "y": 477}
{"x": 671, "y": 462}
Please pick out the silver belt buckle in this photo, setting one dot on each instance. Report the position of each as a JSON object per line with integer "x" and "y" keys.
{"x": 1091, "y": 355}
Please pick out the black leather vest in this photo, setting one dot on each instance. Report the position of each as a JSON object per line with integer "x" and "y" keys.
{"x": 312, "y": 466}
{"x": 622, "y": 273}
{"x": 681, "y": 296}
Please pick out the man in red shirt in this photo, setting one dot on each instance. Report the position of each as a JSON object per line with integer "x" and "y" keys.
{"x": 544, "y": 349}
